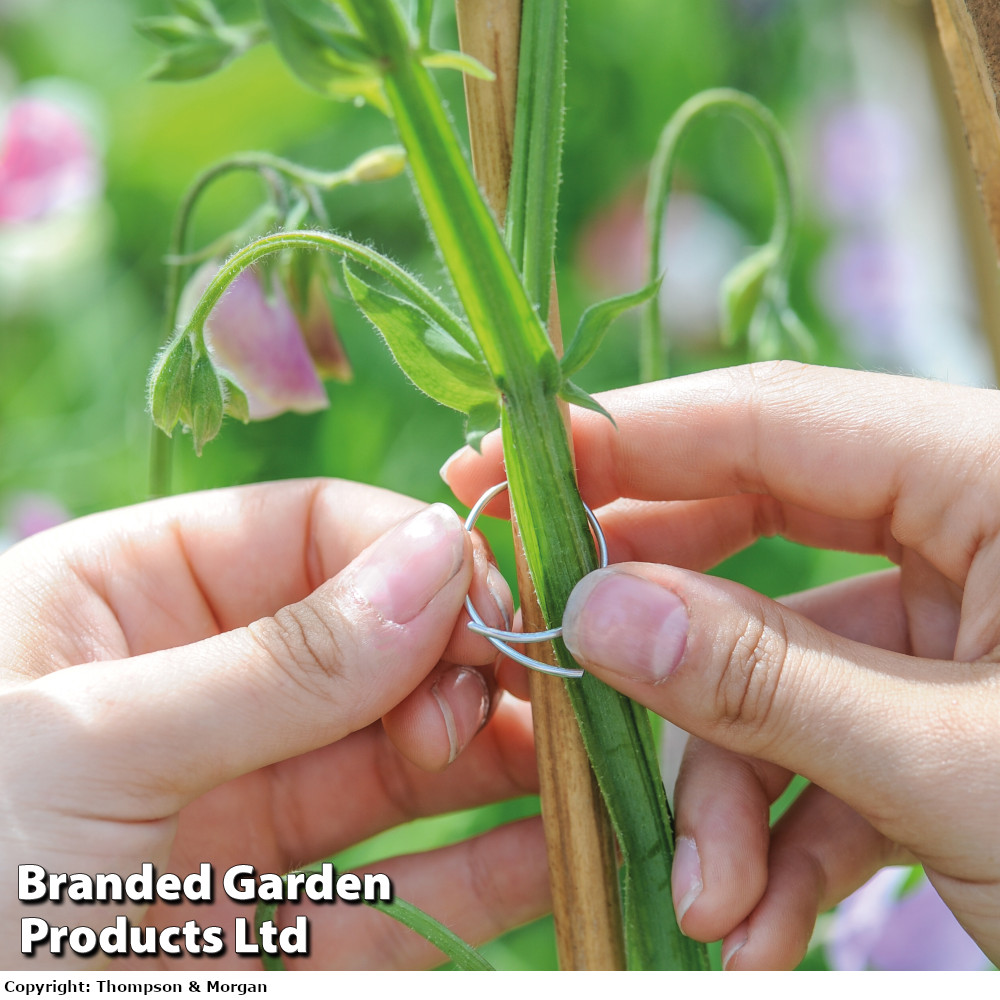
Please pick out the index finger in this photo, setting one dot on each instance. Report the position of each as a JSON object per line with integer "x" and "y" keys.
{"x": 178, "y": 570}
{"x": 851, "y": 446}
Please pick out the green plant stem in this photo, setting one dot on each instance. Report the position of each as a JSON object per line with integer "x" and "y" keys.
{"x": 533, "y": 196}
{"x": 543, "y": 490}
{"x": 765, "y": 128}
{"x": 306, "y": 239}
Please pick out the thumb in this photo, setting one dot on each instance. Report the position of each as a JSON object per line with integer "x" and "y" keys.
{"x": 198, "y": 715}
{"x": 747, "y": 674}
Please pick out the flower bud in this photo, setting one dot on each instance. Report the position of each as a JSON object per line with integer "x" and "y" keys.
{"x": 170, "y": 383}
{"x": 205, "y": 411}
{"x": 742, "y": 291}
{"x": 380, "y": 164}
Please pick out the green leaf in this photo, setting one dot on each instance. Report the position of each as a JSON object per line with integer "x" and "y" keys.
{"x": 425, "y": 13}
{"x": 264, "y": 911}
{"x": 798, "y": 333}
{"x": 201, "y": 11}
{"x": 465, "y": 957}
{"x": 189, "y": 62}
{"x": 579, "y": 397}
{"x": 336, "y": 63}
{"x": 460, "y": 61}
{"x": 170, "y": 30}
{"x": 764, "y": 336}
{"x": 433, "y": 360}
{"x": 742, "y": 289}
{"x": 481, "y": 421}
{"x": 594, "y": 325}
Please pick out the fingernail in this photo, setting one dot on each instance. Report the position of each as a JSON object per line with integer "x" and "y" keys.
{"x": 401, "y": 573}
{"x": 443, "y": 473}
{"x": 685, "y": 876}
{"x": 733, "y": 942}
{"x": 626, "y": 625}
{"x": 464, "y": 699}
{"x": 500, "y": 592}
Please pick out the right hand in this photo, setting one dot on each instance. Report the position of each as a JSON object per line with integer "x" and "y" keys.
{"x": 883, "y": 690}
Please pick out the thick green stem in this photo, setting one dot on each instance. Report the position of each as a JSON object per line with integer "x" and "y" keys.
{"x": 765, "y": 128}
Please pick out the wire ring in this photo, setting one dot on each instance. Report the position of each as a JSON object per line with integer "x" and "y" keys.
{"x": 499, "y": 637}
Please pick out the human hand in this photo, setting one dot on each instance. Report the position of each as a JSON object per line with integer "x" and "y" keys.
{"x": 883, "y": 690}
{"x": 202, "y": 679}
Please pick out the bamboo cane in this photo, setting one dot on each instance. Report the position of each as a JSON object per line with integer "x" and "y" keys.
{"x": 578, "y": 834}
{"x": 970, "y": 37}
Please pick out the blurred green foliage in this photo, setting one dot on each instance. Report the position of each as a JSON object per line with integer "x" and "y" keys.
{"x": 78, "y": 329}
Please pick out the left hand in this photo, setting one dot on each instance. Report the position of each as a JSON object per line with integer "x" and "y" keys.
{"x": 203, "y": 678}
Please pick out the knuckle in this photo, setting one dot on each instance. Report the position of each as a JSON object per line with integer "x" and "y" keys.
{"x": 751, "y": 675}
{"x": 303, "y": 643}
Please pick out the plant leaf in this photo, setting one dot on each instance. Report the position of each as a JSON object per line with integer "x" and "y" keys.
{"x": 433, "y": 360}
{"x": 169, "y": 30}
{"x": 201, "y": 11}
{"x": 572, "y": 393}
{"x": 594, "y": 325}
{"x": 189, "y": 62}
{"x": 798, "y": 333}
{"x": 458, "y": 60}
{"x": 463, "y": 955}
{"x": 425, "y": 13}
{"x": 334, "y": 62}
{"x": 742, "y": 289}
{"x": 481, "y": 421}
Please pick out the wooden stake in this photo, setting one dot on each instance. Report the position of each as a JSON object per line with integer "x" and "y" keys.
{"x": 970, "y": 37}
{"x": 582, "y": 864}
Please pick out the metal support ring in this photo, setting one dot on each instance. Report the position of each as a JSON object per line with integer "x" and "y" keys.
{"x": 500, "y": 638}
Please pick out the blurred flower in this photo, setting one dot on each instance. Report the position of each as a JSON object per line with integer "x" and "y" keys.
{"x": 865, "y": 283}
{"x": 701, "y": 244}
{"x": 26, "y": 514}
{"x": 256, "y": 336}
{"x": 48, "y": 162}
{"x": 864, "y": 155}
{"x": 886, "y": 926}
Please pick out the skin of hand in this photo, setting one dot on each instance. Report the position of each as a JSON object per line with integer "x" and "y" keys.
{"x": 263, "y": 675}
{"x": 883, "y": 690}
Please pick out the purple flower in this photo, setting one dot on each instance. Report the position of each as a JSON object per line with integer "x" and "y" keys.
{"x": 881, "y": 926}
{"x": 47, "y": 162}
{"x": 274, "y": 353}
{"x": 26, "y": 514}
{"x": 864, "y": 158}
{"x": 866, "y": 283}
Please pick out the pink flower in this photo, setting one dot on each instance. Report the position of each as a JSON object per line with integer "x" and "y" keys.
{"x": 882, "y": 927}
{"x": 272, "y": 353}
{"x": 26, "y": 514}
{"x": 47, "y": 162}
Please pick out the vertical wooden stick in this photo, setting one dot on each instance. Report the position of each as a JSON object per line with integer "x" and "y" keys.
{"x": 582, "y": 864}
{"x": 970, "y": 37}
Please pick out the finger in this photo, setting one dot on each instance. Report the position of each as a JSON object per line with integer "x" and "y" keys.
{"x": 440, "y": 718}
{"x": 722, "y": 805}
{"x": 478, "y": 888}
{"x": 314, "y": 805}
{"x": 743, "y": 672}
{"x": 492, "y": 598}
{"x": 821, "y": 851}
{"x": 867, "y": 609}
{"x": 316, "y": 671}
{"x": 803, "y": 435}
{"x": 179, "y": 570}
